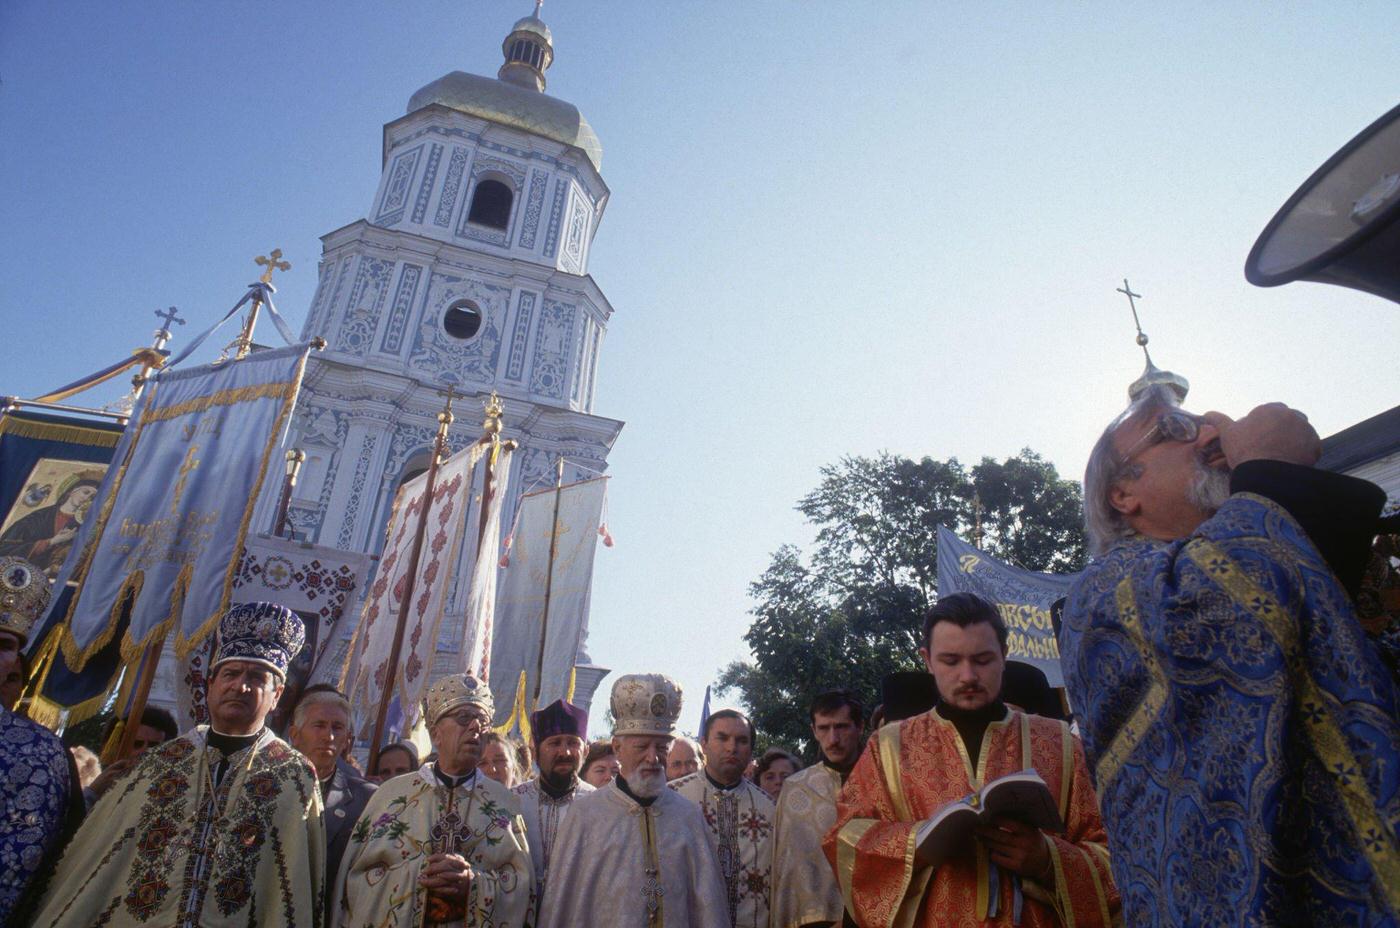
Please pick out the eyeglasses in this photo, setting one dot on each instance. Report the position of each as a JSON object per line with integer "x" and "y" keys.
{"x": 1170, "y": 426}
{"x": 471, "y": 721}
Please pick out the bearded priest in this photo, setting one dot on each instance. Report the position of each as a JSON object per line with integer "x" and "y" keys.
{"x": 1007, "y": 872}
{"x": 219, "y": 827}
{"x": 634, "y": 854}
{"x": 445, "y": 844}
{"x": 559, "y": 732}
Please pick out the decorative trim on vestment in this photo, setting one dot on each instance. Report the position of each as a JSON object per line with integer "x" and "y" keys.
{"x": 1127, "y": 738}
{"x": 1376, "y": 837}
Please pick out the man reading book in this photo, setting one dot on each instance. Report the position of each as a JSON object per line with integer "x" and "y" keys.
{"x": 1004, "y": 871}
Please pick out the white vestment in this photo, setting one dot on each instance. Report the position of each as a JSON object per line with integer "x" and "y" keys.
{"x": 739, "y": 820}
{"x": 543, "y": 815}
{"x": 804, "y": 886}
{"x": 624, "y": 865}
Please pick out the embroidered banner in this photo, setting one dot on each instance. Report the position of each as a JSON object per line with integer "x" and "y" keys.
{"x": 173, "y": 517}
{"x": 481, "y": 598}
{"x": 1023, "y": 596}
{"x": 522, "y": 634}
{"x": 447, "y": 525}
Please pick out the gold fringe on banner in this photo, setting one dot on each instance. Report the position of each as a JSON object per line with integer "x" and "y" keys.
{"x": 55, "y": 431}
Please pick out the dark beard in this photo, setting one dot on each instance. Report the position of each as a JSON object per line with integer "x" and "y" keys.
{"x": 558, "y": 784}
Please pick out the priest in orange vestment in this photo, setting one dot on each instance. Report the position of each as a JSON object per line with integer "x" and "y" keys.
{"x": 1010, "y": 873}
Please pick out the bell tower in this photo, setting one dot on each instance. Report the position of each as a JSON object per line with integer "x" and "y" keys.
{"x": 470, "y": 270}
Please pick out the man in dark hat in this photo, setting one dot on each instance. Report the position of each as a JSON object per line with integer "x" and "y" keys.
{"x": 221, "y": 826}
{"x": 559, "y": 731}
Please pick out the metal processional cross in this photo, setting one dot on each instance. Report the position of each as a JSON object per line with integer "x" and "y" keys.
{"x": 272, "y": 262}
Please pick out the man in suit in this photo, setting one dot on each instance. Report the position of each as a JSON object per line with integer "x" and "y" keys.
{"x": 320, "y": 730}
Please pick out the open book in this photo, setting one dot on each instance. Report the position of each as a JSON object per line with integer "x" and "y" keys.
{"x": 1022, "y": 796}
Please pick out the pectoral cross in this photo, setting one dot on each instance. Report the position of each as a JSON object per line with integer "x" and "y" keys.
{"x": 272, "y": 263}
{"x": 189, "y": 464}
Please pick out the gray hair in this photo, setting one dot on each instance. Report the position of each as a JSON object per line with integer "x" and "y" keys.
{"x": 695, "y": 747}
{"x": 1103, "y": 524}
{"x": 322, "y": 698}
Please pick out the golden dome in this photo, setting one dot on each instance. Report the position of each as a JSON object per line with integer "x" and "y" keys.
{"x": 509, "y": 105}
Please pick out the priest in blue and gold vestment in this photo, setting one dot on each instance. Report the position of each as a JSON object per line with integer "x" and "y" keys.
{"x": 40, "y": 803}
{"x": 1242, "y": 729}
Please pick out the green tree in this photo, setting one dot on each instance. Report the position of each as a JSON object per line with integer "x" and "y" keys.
{"x": 850, "y": 612}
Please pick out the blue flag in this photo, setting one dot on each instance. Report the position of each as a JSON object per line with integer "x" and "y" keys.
{"x": 161, "y": 554}
{"x": 1023, "y": 596}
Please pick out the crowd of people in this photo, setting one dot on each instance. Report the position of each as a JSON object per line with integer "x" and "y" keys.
{"x": 1233, "y": 758}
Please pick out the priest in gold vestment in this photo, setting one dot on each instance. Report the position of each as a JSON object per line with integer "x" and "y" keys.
{"x": 220, "y": 827}
{"x": 1010, "y": 873}
{"x": 804, "y": 888}
{"x": 445, "y": 844}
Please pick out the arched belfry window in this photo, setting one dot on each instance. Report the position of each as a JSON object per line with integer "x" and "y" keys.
{"x": 491, "y": 204}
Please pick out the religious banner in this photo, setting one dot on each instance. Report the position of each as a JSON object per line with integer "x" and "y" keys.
{"x": 1024, "y": 598}
{"x": 368, "y": 668}
{"x": 481, "y": 598}
{"x": 168, "y": 537}
{"x": 542, "y": 603}
{"x": 51, "y": 468}
{"x": 315, "y": 582}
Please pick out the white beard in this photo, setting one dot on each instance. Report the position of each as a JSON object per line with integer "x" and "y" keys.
{"x": 647, "y": 784}
{"x": 1209, "y": 488}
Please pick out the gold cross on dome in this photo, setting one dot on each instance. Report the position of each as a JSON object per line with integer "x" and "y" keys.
{"x": 272, "y": 263}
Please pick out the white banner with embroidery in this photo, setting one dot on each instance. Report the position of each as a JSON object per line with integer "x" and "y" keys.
{"x": 368, "y": 668}
{"x": 481, "y": 598}
{"x": 537, "y": 647}
{"x": 171, "y": 529}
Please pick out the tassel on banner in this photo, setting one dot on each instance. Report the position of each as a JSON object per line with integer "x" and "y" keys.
{"x": 505, "y": 550}
{"x": 607, "y": 536}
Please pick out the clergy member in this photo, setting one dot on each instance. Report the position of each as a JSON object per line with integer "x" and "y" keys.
{"x": 559, "y": 731}
{"x": 738, "y": 816}
{"x": 804, "y": 888}
{"x": 1009, "y": 873}
{"x": 219, "y": 827}
{"x": 444, "y": 845}
{"x": 321, "y": 728}
{"x": 634, "y": 854}
{"x": 40, "y": 805}
{"x": 1245, "y": 733}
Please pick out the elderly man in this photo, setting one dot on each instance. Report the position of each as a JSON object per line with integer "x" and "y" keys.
{"x": 685, "y": 758}
{"x": 634, "y": 854}
{"x": 444, "y": 845}
{"x": 1243, "y": 730}
{"x": 1012, "y": 873}
{"x": 321, "y": 729}
{"x": 804, "y": 887}
{"x": 738, "y": 816}
{"x": 559, "y": 731}
{"x": 39, "y": 803}
{"x": 220, "y": 827}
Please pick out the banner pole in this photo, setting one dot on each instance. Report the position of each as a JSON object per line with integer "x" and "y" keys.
{"x": 387, "y": 694}
{"x": 549, "y": 578}
{"x": 124, "y": 735}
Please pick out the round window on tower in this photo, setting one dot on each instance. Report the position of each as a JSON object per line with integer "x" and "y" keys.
{"x": 462, "y": 320}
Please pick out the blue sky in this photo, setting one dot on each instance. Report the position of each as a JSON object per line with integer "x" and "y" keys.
{"x": 835, "y": 228}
